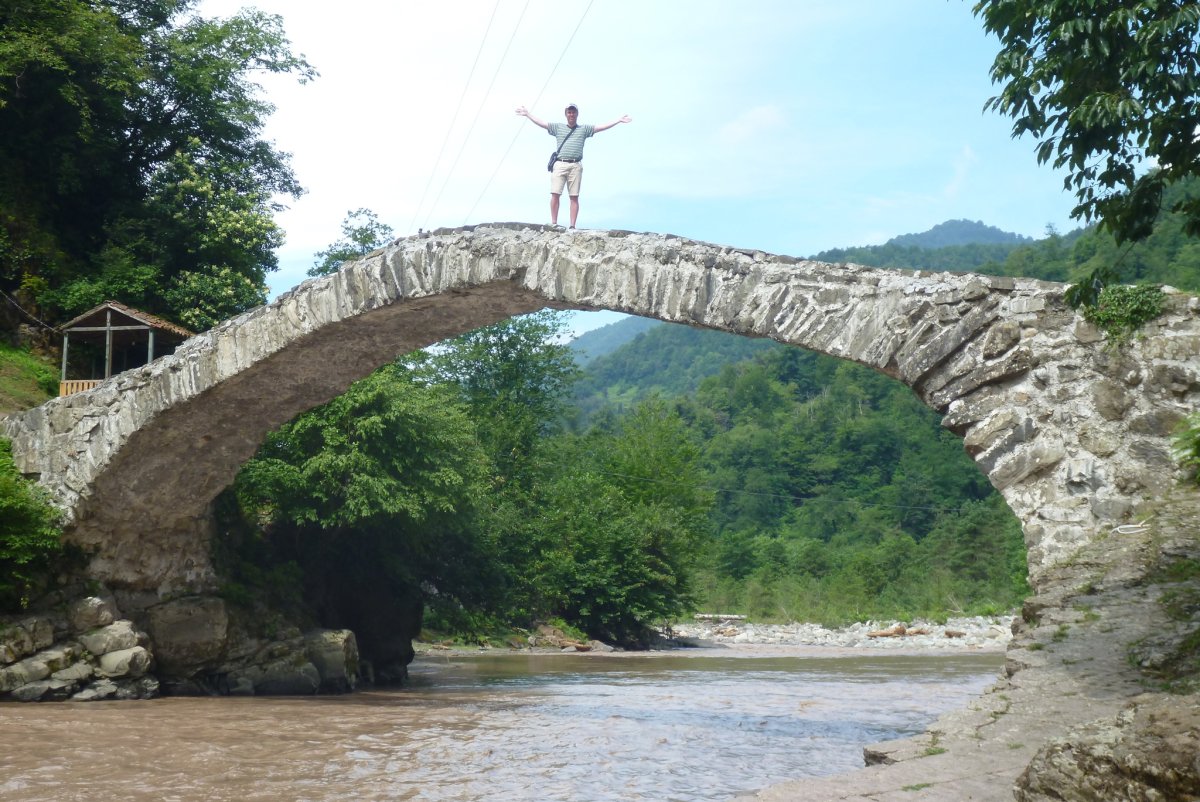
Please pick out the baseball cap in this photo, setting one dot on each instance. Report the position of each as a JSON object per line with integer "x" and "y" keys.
{"x": 571, "y": 106}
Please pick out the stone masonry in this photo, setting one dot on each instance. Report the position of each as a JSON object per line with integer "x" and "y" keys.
{"x": 1073, "y": 431}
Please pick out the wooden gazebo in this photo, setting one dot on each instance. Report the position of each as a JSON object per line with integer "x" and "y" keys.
{"x": 129, "y": 337}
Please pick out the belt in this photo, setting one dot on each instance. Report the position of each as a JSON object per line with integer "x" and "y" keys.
{"x": 571, "y": 161}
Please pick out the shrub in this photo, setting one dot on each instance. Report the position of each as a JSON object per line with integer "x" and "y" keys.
{"x": 1121, "y": 309}
{"x": 30, "y": 542}
{"x": 1186, "y": 443}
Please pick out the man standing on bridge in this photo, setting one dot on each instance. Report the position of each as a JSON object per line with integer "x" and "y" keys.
{"x": 568, "y": 168}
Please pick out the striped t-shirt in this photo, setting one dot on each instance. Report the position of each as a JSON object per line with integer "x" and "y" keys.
{"x": 570, "y": 147}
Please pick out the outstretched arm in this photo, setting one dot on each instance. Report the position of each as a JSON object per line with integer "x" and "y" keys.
{"x": 625, "y": 119}
{"x": 524, "y": 112}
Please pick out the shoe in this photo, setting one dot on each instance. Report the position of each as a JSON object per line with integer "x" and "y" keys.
{"x": 556, "y": 227}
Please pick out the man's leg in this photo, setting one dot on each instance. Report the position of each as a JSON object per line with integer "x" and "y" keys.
{"x": 574, "y": 183}
{"x": 554, "y": 208}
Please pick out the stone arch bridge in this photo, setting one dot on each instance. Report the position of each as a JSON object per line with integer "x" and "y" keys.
{"x": 1073, "y": 432}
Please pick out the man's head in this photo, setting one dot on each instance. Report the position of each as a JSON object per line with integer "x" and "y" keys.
{"x": 572, "y": 112}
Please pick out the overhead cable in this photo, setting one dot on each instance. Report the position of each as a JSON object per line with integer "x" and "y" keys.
{"x": 521, "y": 127}
{"x": 486, "y": 94}
{"x": 446, "y": 139}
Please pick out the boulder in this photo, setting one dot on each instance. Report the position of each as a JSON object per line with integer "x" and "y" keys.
{"x": 334, "y": 653}
{"x": 100, "y": 689}
{"x": 31, "y": 669}
{"x": 137, "y": 688}
{"x": 91, "y": 613}
{"x": 45, "y": 690}
{"x": 1149, "y": 751}
{"x": 23, "y": 638}
{"x": 40, "y": 630}
{"x": 189, "y": 634}
{"x": 132, "y": 662}
{"x": 81, "y": 671}
{"x": 290, "y": 676}
{"x": 113, "y": 637}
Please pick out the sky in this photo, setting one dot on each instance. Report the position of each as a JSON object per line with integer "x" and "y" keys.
{"x": 789, "y": 126}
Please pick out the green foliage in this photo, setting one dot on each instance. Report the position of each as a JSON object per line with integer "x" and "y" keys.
{"x": 30, "y": 544}
{"x": 362, "y": 507}
{"x": 25, "y": 379}
{"x": 203, "y": 299}
{"x": 1105, "y": 89}
{"x": 387, "y": 453}
{"x": 682, "y": 357}
{"x": 131, "y": 160}
{"x": 1186, "y": 445}
{"x": 440, "y": 478}
{"x": 1121, "y": 309}
{"x": 606, "y": 536}
{"x": 513, "y": 377}
{"x": 361, "y": 233}
{"x": 840, "y": 497}
{"x": 602, "y": 341}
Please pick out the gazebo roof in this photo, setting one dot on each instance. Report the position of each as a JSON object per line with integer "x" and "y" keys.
{"x": 96, "y": 318}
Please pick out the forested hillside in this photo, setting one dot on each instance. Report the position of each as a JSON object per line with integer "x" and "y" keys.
{"x": 959, "y": 232}
{"x": 669, "y": 359}
{"x": 1167, "y": 256}
{"x": 606, "y": 339}
{"x": 837, "y": 494}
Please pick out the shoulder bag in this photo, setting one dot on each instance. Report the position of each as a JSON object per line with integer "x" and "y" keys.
{"x": 554, "y": 155}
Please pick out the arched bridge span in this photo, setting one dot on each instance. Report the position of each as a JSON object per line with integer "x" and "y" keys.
{"x": 1074, "y": 433}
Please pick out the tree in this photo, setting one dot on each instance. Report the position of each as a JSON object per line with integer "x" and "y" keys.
{"x": 361, "y": 233}
{"x": 390, "y": 452}
{"x": 514, "y": 376}
{"x": 131, "y": 160}
{"x": 606, "y": 536}
{"x": 1111, "y": 89}
{"x": 370, "y": 504}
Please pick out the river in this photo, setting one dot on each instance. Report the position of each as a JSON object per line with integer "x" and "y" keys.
{"x": 695, "y": 725}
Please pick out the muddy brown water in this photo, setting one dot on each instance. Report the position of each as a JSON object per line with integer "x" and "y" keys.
{"x": 697, "y": 725}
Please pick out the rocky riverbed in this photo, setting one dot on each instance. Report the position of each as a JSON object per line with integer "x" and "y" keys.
{"x": 975, "y": 634}
{"x": 979, "y": 633}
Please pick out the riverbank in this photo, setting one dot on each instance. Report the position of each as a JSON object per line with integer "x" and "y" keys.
{"x": 1099, "y": 696}
{"x": 978, "y": 633}
{"x": 972, "y": 634}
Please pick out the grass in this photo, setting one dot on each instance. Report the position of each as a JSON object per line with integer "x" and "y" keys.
{"x": 26, "y": 380}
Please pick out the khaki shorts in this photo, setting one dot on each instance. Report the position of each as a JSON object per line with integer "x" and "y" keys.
{"x": 568, "y": 173}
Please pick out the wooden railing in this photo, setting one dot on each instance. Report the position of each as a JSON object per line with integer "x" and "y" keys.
{"x": 76, "y": 386}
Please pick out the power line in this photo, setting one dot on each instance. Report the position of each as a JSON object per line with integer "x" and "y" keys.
{"x": 486, "y": 94}
{"x": 21, "y": 309}
{"x": 521, "y": 126}
{"x": 446, "y": 139}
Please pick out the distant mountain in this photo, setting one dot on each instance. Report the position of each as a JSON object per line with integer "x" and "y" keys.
{"x": 669, "y": 359}
{"x": 959, "y": 232}
{"x": 606, "y": 339}
{"x": 956, "y": 245}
